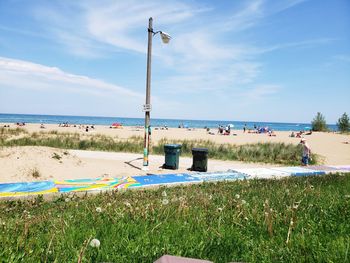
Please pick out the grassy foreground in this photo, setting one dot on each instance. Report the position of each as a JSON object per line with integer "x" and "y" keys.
{"x": 276, "y": 153}
{"x": 300, "y": 219}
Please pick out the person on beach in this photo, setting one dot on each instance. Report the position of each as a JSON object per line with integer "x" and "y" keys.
{"x": 227, "y": 130}
{"x": 306, "y": 152}
{"x": 220, "y": 129}
{"x": 271, "y": 133}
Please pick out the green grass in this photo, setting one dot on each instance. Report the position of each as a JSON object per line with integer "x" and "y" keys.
{"x": 7, "y": 132}
{"x": 248, "y": 221}
{"x": 276, "y": 153}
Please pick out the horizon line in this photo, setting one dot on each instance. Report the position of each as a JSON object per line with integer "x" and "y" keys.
{"x": 182, "y": 119}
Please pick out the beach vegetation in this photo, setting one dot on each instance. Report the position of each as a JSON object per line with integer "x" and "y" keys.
{"x": 56, "y": 156}
{"x": 344, "y": 123}
{"x": 295, "y": 219}
{"x": 276, "y": 153}
{"x": 10, "y": 131}
{"x": 35, "y": 173}
{"x": 319, "y": 123}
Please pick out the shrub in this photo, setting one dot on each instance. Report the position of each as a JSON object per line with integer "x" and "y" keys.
{"x": 56, "y": 156}
{"x": 344, "y": 123}
{"x": 319, "y": 123}
{"x": 35, "y": 173}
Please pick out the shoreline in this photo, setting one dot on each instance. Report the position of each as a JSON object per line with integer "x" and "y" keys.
{"x": 174, "y": 123}
{"x": 93, "y": 128}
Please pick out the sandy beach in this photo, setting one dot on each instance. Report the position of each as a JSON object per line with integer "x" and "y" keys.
{"x": 19, "y": 163}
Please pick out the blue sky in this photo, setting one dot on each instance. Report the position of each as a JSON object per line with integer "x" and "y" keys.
{"x": 254, "y": 60}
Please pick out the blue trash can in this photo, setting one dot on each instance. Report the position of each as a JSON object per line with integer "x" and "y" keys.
{"x": 172, "y": 156}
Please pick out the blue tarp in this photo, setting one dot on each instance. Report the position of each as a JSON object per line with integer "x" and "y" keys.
{"x": 156, "y": 179}
{"x": 27, "y": 187}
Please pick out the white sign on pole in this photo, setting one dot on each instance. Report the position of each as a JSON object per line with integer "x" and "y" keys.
{"x": 147, "y": 107}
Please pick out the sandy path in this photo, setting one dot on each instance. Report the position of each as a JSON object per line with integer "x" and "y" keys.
{"x": 19, "y": 163}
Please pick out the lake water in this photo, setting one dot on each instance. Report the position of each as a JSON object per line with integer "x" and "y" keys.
{"x": 56, "y": 119}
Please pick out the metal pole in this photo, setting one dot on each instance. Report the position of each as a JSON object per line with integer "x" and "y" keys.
{"x": 148, "y": 97}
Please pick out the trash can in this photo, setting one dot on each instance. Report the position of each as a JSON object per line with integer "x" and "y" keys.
{"x": 172, "y": 154}
{"x": 200, "y": 159}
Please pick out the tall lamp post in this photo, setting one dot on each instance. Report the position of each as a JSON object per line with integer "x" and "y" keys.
{"x": 147, "y": 107}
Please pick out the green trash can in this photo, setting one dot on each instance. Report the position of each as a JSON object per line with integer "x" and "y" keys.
{"x": 200, "y": 159}
{"x": 172, "y": 154}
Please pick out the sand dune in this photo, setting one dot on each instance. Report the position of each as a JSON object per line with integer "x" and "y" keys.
{"x": 20, "y": 163}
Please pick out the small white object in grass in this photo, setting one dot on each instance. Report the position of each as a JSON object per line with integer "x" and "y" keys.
{"x": 95, "y": 243}
{"x": 220, "y": 209}
{"x": 237, "y": 196}
{"x": 244, "y": 202}
{"x": 98, "y": 209}
{"x": 67, "y": 200}
{"x": 165, "y": 201}
{"x": 164, "y": 194}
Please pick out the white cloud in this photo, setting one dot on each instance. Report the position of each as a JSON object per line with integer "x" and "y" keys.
{"x": 299, "y": 44}
{"x": 200, "y": 57}
{"x": 248, "y": 16}
{"x": 252, "y": 14}
{"x": 120, "y": 24}
{"x": 196, "y": 58}
{"x": 220, "y": 79}
{"x": 28, "y": 75}
{"x": 260, "y": 92}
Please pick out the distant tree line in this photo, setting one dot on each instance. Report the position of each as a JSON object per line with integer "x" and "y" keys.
{"x": 319, "y": 123}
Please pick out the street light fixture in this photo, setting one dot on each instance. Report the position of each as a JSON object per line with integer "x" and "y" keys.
{"x": 165, "y": 37}
{"x": 147, "y": 107}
